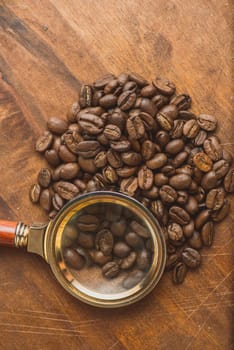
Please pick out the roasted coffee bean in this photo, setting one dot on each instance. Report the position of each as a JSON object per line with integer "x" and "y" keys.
{"x": 148, "y": 91}
{"x": 69, "y": 171}
{"x": 202, "y": 162}
{"x": 180, "y": 181}
{"x": 191, "y": 129}
{"x": 147, "y": 149}
{"x": 85, "y": 98}
{"x": 134, "y": 240}
{"x": 177, "y": 130}
{"x": 72, "y": 140}
{"x": 86, "y": 240}
{"x": 200, "y": 138}
{"x": 191, "y": 206}
{"x": 73, "y": 259}
{"x": 131, "y": 158}
{"x": 179, "y": 273}
{"x": 52, "y": 157}
{"x": 158, "y": 209}
{"x": 138, "y": 79}
{"x": 209, "y": 180}
{"x": 99, "y": 258}
{"x": 179, "y": 215}
{"x": 182, "y": 101}
{"x": 164, "y": 86}
{"x": 66, "y": 155}
{"x": 139, "y": 229}
{"x": 221, "y": 168}
{"x": 227, "y": 156}
{"x": 104, "y": 241}
{"x": 191, "y": 257}
{"x": 120, "y": 146}
{"x": 162, "y": 137}
{"x": 112, "y": 87}
{"x": 168, "y": 170}
{"x": 72, "y": 112}
{"x": 186, "y": 169}
{"x": 195, "y": 241}
{"x": 121, "y": 249}
{"x": 175, "y": 232}
{"x": 114, "y": 159}
{"x": 135, "y": 127}
{"x": 123, "y": 78}
{"x": 174, "y": 147}
{"x": 207, "y": 233}
{"x": 44, "y": 142}
{"x": 215, "y": 198}
{"x": 200, "y": 195}
{"x": 118, "y": 228}
{"x": 45, "y": 199}
{"x": 145, "y": 178}
{"x": 157, "y": 161}
{"x": 126, "y": 171}
{"x": 172, "y": 260}
{"x": 179, "y": 159}
{"x": 202, "y": 218}
{"x": 103, "y": 81}
{"x": 165, "y": 122}
{"x": 57, "y": 202}
{"x": 88, "y": 149}
{"x": 170, "y": 111}
{"x": 65, "y": 189}
{"x": 126, "y": 100}
{"x": 207, "y": 122}
{"x": 220, "y": 214}
{"x": 108, "y": 101}
{"x": 186, "y": 115}
{"x": 112, "y": 132}
{"x": 182, "y": 197}
{"x": 130, "y": 86}
{"x": 35, "y": 192}
{"x": 143, "y": 259}
{"x": 44, "y": 177}
{"x": 90, "y": 123}
{"x": 57, "y": 125}
{"x": 168, "y": 194}
{"x": 213, "y": 148}
{"x": 148, "y": 121}
{"x": 229, "y": 181}
{"x": 100, "y": 160}
{"x": 160, "y": 179}
{"x": 152, "y": 193}
{"x": 188, "y": 229}
{"x": 132, "y": 279}
{"x": 129, "y": 261}
{"x": 110, "y": 269}
{"x": 129, "y": 185}
{"x": 160, "y": 100}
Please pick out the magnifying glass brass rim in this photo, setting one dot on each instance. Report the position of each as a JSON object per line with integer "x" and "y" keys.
{"x": 53, "y": 250}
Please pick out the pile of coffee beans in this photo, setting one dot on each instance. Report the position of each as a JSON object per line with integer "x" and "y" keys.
{"x": 111, "y": 237}
{"x": 127, "y": 134}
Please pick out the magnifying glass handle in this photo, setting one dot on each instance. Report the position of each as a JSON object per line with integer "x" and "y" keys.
{"x": 13, "y": 234}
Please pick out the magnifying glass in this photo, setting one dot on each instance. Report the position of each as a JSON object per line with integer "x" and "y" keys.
{"x": 105, "y": 248}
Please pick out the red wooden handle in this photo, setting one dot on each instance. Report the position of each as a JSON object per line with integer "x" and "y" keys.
{"x": 7, "y": 233}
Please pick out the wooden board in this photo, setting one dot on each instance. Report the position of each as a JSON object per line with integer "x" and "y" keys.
{"x": 47, "y": 48}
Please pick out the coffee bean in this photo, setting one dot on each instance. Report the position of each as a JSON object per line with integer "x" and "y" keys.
{"x": 118, "y": 228}
{"x": 152, "y": 193}
{"x": 145, "y": 178}
{"x": 167, "y": 194}
{"x": 168, "y": 170}
{"x": 57, "y": 202}
{"x": 200, "y": 138}
{"x": 177, "y": 130}
{"x": 188, "y": 229}
{"x": 112, "y": 132}
{"x": 69, "y": 171}
{"x": 139, "y": 229}
{"x": 207, "y": 233}
{"x": 73, "y": 259}
{"x": 179, "y": 215}
{"x": 157, "y": 161}
{"x": 114, "y": 159}
{"x": 100, "y": 159}
{"x": 66, "y": 190}
{"x": 85, "y": 98}
{"x": 162, "y": 137}
{"x": 126, "y": 171}
{"x": 126, "y": 100}
{"x": 215, "y": 199}
{"x": 160, "y": 100}
{"x": 174, "y": 147}
{"x": 209, "y": 180}
{"x": 170, "y": 111}
{"x": 207, "y": 122}
{"x": 110, "y": 269}
{"x": 195, "y": 241}
{"x": 129, "y": 261}
{"x": 192, "y": 205}
{"x": 135, "y": 127}
{"x": 165, "y": 122}
{"x": 52, "y": 157}
{"x": 147, "y": 149}
{"x": 175, "y": 232}
{"x": 138, "y": 79}
{"x": 180, "y": 181}
{"x": 123, "y": 78}
{"x": 35, "y": 192}
{"x": 213, "y": 148}
{"x": 131, "y": 158}
{"x": 229, "y": 181}
{"x": 45, "y": 199}
{"x": 227, "y": 156}
{"x": 143, "y": 259}
{"x": 132, "y": 279}
{"x": 148, "y": 91}
{"x": 87, "y": 165}
{"x": 121, "y": 249}
{"x": 220, "y": 214}
{"x": 129, "y": 185}
{"x": 130, "y": 86}
{"x": 103, "y": 81}
{"x": 134, "y": 240}
{"x": 179, "y": 159}
{"x": 158, "y": 209}
{"x": 99, "y": 258}
{"x": 172, "y": 260}
{"x": 221, "y": 168}
{"x": 160, "y": 179}
{"x": 182, "y": 101}
{"x": 191, "y": 257}
{"x": 179, "y": 273}
{"x": 44, "y": 142}
{"x": 191, "y": 129}
{"x": 57, "y": 125}
{"x": 88, "y": 149}
{"x": 202, "y": 162}
{"x": 66, "y": 155}
{"x": 104, "y": 241}
{"x": 90, "y": 123}
{"x": 202, "y": 218}
{"x": 164, "y": 86}
{"x": 182, "y": 197}
{"x": 108, "y": 101}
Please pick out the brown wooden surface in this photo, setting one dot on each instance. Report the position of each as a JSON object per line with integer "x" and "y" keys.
{"x": 46, "y": 48}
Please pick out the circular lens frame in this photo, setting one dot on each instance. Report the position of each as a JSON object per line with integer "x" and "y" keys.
{"x": 53, "y": 250}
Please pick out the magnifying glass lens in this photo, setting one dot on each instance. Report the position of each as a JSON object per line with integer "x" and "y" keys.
{"x": 107, "y": 250}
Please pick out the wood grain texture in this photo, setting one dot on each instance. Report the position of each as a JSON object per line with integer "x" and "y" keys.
{"x": 47, "y": 48}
